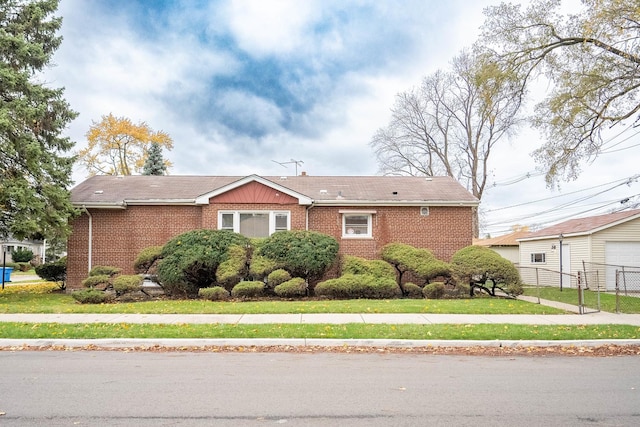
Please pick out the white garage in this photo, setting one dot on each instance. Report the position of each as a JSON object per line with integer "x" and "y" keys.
{"x": 618, "y": 254}
{"x": 594, "y": 246}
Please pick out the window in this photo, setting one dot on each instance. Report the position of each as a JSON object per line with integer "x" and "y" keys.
{"x": 254, "y": 223}
{"x": 538, "y": 258}
{"x": 356, "y": 225}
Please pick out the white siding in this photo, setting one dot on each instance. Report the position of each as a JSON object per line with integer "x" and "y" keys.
{"x": 578, "y": 248}
{"x": 512, "y": 253}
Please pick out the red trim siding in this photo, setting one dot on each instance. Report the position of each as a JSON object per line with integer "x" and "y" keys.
{"x": 254, "y": 192}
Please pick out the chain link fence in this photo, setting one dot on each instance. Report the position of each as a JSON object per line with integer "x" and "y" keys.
{"x": 627, "y": 285}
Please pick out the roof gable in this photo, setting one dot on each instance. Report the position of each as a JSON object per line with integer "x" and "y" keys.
{"x": 252, "y": 191}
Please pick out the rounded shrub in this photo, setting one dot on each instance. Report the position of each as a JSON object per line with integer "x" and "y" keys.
{"x": 248, "y": 289}
{"x": 91, "y": 296}
{"x": 293, "y": 288}
{"x": 277, "y": 277}
{"x": 127, "y": 283}
{"x": 214, "y": 293}
{"x": 22, "y": 255}
{"x": 190, "y": 260}
{"x": 356, "y": 265}
{"x": 147, "y": 259}
{"x": 53, "y": 272}
{"x": 303, "y": 253}
{"x": 96, "y": 280}
{"x": 484, "y": 269}
{"x": 104, "y": 270}
{"x": 352, "y": 286}
{"x": 411, "y": 290}
{"x": 434, "y": 290}
{"x": 230, "y": 272}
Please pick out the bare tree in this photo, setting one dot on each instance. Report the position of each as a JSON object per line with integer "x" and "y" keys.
{"x": 592, "y": 65}
{"x": 450, "y": 124}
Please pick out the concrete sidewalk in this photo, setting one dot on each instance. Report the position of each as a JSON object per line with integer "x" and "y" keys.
{"x": 601, "y": 318}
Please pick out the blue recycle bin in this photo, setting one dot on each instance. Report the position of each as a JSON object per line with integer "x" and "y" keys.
{"x": 6, "y": 271}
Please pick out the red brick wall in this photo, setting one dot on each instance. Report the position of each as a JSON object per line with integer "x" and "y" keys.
{"x": 119, "y": 235}
{"x": 444, "y": 230}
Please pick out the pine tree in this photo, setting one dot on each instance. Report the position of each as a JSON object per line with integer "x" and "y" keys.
{"x": 155, "y": 164}
{"x": 35, "y": 164}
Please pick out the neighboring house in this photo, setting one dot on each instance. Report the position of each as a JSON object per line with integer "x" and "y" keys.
{"x": 10, "y": 244}
{"x": 507, "y": 245}
{"x": 611, "y": 239}
{"x": 121, "y": 215}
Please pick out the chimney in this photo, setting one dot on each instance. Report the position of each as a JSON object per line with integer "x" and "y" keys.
{"x": 303, "y": 173}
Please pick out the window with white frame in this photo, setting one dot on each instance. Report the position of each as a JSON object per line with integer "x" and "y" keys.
{"x": 538, "y": 258}
{"x": 254, "y": 223}
{"x": 356, "y": 225}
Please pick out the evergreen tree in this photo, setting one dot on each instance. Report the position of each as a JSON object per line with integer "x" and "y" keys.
{"x": 155, "y": 164}
{"x": 35, "y": 165}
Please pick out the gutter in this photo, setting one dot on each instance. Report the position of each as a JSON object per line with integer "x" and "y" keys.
{"x": 452, "y": 203}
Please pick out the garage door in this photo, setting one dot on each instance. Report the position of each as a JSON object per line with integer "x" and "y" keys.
{"x": 620, "y": 253}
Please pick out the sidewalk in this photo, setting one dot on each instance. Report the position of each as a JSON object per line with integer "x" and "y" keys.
{"x": 331, "y": 318}
{"x": 601, "y": 318}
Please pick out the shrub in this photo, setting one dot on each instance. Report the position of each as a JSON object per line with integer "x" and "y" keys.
{"x": 484, "y": 269}
{"x": 434, "y": 290}
{"x": 248, "y": 289}
{"x": 260, "y": 266}
{"x": 190, "y": 260}
{"x": 303, "y": 253}
{"x": 277, "y": 277}
{"x": 24, "y": 266}
{"x": 420, "y": 261}
{"x": 127, "y": 283}
{"x": 54, "y": 272}
{"x": 293, "y": 288}
{"x": 232, "y": 271}
{"x": 460, "y": 290}
{"x": 377, "y": 268}
{"x": 91, "y": 296}
{"x": 104, "y": 270}
{"x": 411, "y": 290}
{"x": 93, "y": 281}
{"x": 22, "y": 255}
{"x": 214, "y": 293}
{"x": 147, "y": 259}
{"x": 358, "y": 286}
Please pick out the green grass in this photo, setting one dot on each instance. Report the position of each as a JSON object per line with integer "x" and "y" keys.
{"x": 347, "y": 331}
{"x": 26, "y": 302}
{"x": 570, "y": 296}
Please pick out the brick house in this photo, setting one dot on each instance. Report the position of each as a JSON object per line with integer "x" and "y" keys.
{"x": 121, "y": 215}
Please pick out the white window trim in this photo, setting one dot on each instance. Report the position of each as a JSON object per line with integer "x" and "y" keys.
{"x": 532, "y": 258}
{"x": 369, "y": 216}
{"x": 272, "y": 218}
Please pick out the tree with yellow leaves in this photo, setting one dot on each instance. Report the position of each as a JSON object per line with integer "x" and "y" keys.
{"x": 117, "y": 146}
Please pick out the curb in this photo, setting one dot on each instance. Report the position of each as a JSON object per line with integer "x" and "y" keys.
{"x": 182, "y": 343}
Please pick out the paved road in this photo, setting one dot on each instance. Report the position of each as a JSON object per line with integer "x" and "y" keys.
{"x": 231, "y": 389}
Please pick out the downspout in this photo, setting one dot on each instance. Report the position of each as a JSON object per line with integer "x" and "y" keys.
{"x": 90, "y": 236}
{"x": 312, "y": 205}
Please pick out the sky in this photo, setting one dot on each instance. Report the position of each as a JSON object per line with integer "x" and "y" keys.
{"x": 277, "y": 87}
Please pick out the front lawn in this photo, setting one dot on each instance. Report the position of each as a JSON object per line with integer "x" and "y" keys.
{"x": 345, "y": 331}
{"x": 630, "y": 305}
{"x": 27, "y": 302}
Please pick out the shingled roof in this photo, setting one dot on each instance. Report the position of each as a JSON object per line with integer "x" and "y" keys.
{"x": 583, "y": 226}
{"x": 510, "y": 239}
{"x": 119, "y": 191}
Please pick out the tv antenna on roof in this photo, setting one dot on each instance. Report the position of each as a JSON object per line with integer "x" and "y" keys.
{"x": 296, "y": 162}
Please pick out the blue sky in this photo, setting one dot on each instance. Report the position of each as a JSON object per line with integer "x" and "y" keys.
{"x": 241, "y": 85}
